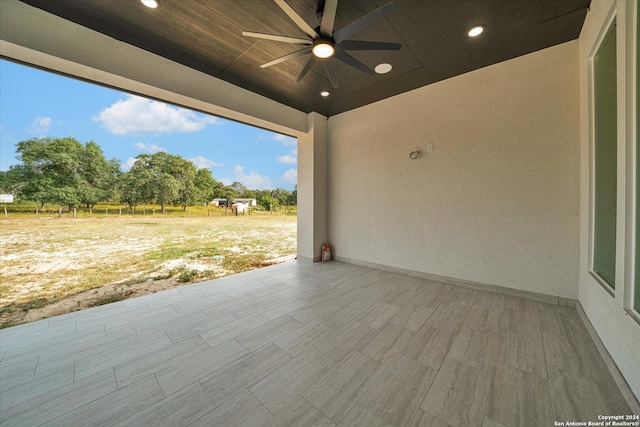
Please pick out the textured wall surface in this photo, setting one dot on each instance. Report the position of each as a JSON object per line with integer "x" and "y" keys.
{"x": 495, "y": 202}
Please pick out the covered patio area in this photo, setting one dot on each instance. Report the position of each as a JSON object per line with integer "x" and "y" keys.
{"x": 304, "y": 343}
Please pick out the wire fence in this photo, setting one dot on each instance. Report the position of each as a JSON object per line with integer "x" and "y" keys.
{"x": 24, "y": 211}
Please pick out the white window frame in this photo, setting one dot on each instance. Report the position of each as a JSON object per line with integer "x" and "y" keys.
{"x": 591, "y": 82}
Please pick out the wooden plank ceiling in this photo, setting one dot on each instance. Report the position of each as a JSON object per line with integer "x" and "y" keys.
{"x": 206, "y": 35}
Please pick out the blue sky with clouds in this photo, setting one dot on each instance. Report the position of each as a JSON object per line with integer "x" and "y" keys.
{"x": 35, "y": 103}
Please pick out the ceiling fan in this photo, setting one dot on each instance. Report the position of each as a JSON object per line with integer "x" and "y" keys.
{"x": 324, "y": 43}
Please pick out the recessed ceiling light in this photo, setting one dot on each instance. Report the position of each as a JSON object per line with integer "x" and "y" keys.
{"x": 151, "y": 4}
{"x": 383, "y": 68}
{"x": 324, "y": 93}
{"x": 323, "y": 48}
{"x": 475, "y": 31}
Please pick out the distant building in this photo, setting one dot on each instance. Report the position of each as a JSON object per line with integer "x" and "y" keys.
{"x": 6, "y": 198}
{"x": 220, "y": 203}
{"x": 250, "y": 202}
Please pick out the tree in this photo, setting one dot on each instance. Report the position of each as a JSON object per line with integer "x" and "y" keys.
{"x": 205, "y": 186}
{"x": 264, "y": 199}
{"x": 168, "y": 190}
{"x": 162, "y": 178}
{"x": 132, "y": 188}
{"x": 221, "y": 191}
{"x": 51, "y": 168}
{"x": 228, "y": 192}
{"x": 98, "y": 177}
{"x": 139, "y": 185}
{"x": 239, "y": 188}
{"x": 183, "y": 172}
{"x": 248, "y": 194}
{"x": 293, "y": 197}
{"x": 281, "y": 195}
{"x": 12, "y": 181}
{"x": 64, "y": 171}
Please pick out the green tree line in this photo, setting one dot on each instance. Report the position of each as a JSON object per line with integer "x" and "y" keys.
{"x": 65, "y": 172}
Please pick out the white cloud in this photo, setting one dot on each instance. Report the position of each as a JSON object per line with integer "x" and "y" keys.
{"x": 128, "y": 164}
{"x": 286, "y": 140}
{"x": 148, "y": 148}
{"x": 40, "y": 125}
{"x": 136, "y": 115}
{"x": 287, "y": 160}
{"x": 204, "y": 163}
{"x": 253, "y": 180}
{"x": 226, "y": 181}
{"x": 290, "y": 176}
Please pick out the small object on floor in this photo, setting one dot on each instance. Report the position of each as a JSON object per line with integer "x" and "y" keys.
{"x": 326, "y": 252}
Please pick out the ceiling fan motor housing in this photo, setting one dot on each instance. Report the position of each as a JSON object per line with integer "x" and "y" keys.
{"x": 325, "y": 43}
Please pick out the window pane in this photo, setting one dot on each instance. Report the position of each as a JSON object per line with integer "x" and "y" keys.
{"x": 604, "y": 257}
{"x": 636, "y": 304}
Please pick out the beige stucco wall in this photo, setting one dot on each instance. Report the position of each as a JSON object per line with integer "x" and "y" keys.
{"x": 496, "y": 202}
{"x": 312, "y": 188}
{"x": 608, "y": 315}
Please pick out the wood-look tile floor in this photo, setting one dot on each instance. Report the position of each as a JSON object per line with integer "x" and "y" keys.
{"x": 303, "y": 344}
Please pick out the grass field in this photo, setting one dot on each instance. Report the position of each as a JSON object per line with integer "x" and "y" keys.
{"x": 44, "y": 260}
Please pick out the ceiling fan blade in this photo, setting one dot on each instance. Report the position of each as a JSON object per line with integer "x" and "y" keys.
{"x": 297, "y": 19}
{"x": 362, "y": 23}
{"x": 331, "y": 72}
{"x": 287, "y": 57}
{"x": 328, "y": 18}
{"x": 368, "y": 45}
{"x": 350, "y": 60}
{"x": 306, "y": 68}
{"x": 284, "y": 39}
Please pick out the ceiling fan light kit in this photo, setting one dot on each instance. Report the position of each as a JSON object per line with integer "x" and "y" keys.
{"x": 324, "y": 43}
{"x": 151, "y": 4}
{"x": 323, "y": 48}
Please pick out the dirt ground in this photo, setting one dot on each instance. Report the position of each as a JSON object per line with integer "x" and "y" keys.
{"x": 53, "y": 267}
{"x": 88, "y": 299}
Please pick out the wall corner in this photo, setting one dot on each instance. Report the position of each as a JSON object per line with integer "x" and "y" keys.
{"x": 312, "y": 187}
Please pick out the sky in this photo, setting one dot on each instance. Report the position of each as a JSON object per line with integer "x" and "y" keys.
{"x": 35, "y": 103}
